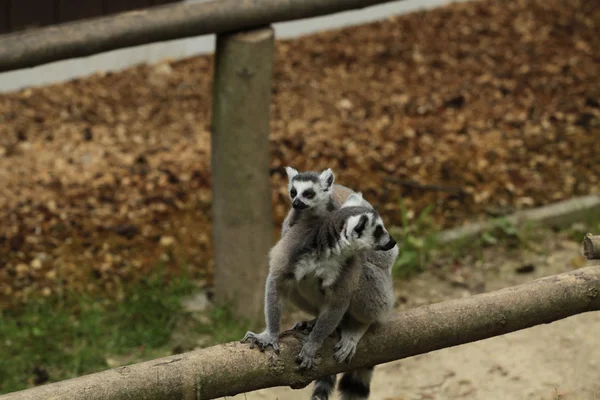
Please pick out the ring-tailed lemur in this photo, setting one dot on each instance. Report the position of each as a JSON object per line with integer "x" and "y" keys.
{"x": 313, "y": 195}
{"x": 303, "y": 264}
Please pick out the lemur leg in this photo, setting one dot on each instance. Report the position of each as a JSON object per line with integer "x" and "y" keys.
{"x": 328, "y": 320}
{"x": 273, "y": 306}
{"x": 351, "y": 333}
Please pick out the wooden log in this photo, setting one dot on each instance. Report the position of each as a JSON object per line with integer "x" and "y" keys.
{"x": 168, "y": 22}
{"x": 233, "y": 368}
{"x": 591, "y": 246}
{"x": 241, "y": 203}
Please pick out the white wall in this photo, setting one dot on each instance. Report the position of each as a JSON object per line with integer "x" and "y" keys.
{"x": 181, "y": 48}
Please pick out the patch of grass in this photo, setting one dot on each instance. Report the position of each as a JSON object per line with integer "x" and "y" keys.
{"x": 511, "y": 235}
{"x": 502, "y": 232}
{"x": 416, "y": 242}
{"x": 577, "y": 231}
{"x": 60, "y": 337}
{"x": 224, "y": 326}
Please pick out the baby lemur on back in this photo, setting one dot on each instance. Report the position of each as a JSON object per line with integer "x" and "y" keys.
{"x": 314, "y": 196}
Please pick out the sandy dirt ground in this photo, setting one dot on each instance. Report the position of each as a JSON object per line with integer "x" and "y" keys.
{"x": 554, "y": 361}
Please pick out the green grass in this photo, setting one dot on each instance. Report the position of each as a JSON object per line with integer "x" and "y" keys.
{"x": 416, "y": 241}
{"x": 578, "y": 231}
{"x": 418, "y": 244}
{"x": 51, "y": 339}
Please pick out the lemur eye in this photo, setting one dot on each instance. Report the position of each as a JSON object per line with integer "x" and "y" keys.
{"x": 309, "y": 193}
{"x": 293, "y": 193}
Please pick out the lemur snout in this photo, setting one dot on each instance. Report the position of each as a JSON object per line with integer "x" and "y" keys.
{"x": 389, "y": 245}
{"x": 299, "y": 205}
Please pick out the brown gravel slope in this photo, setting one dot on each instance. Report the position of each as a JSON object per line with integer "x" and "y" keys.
{"x": 499, "y": 101}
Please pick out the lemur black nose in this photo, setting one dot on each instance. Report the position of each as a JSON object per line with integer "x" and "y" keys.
{"x": 389, "y": 244}
{"x": 299, "y": 205}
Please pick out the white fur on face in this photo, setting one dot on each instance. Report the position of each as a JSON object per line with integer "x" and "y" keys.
{"x": 353, "y": 241}
{"x": 322, "y": 195}
{"x": 301, "y": 186}
{"x": 384, "y": 239}
{"x": 367, "y": 237}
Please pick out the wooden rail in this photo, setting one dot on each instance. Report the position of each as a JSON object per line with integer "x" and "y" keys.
{"x": 233, "y": 368}
{"x": 173, "y": 21}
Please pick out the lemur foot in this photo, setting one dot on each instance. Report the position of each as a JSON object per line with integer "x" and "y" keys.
{"x": 262, "y": 340}
{"x": 344, "y": 350}
{"x": 307, "y": 327}
{"x": 304, "y": 325}
{"x": 306, "y": 357}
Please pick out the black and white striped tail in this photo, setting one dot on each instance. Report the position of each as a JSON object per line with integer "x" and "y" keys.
{"x": 356, "y": 385}
{"x": 323, "y": 388}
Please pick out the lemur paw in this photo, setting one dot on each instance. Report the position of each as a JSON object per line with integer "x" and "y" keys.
{"x": 344, "y": 350}
{"x": 304, "y": 325}
{"x": 306, "y": 357}
{"x": 262, "y": 340}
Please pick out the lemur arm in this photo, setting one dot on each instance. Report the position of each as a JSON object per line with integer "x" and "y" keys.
{"x": 290, "y": 220}
{"x": 273, "y": 307}
{"x": 332, "y": 312}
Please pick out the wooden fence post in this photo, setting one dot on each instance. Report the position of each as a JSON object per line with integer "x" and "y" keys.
{"x": 242, "y": 213}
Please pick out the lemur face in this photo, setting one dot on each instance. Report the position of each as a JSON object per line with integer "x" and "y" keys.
{"x": 309, "y": 189}
{"x": 365, "y": 229}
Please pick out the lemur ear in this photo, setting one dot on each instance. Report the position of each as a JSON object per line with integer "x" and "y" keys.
{"x": 291, "y": 172}
{"x": 326, "y": 178}
{"x": 354, "y": 200}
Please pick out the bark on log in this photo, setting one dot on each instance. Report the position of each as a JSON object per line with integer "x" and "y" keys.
{"x": 241, "y": 202}
{"x": 591, "y": 246}
{"x": 233, "y": 368}
{"x": 174, "y": 21}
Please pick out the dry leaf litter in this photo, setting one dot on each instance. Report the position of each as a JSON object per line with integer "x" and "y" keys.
{"x": 479, "y": 108}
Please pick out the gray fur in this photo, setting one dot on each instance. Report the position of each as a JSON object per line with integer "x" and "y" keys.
{"x": 374, "y": 298}
{"x": 319, "y": 264}
{"x": 382, "y": 259}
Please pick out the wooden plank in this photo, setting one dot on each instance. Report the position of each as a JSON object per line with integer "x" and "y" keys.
{"x": 70, "y": 10}
{"x": 116, "y": 6}
{"x": 4, "y": 16}
{"x": 31, "y": 13}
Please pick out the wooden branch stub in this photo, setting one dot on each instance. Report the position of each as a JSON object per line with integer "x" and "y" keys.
{"x": 591, "y": 246}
